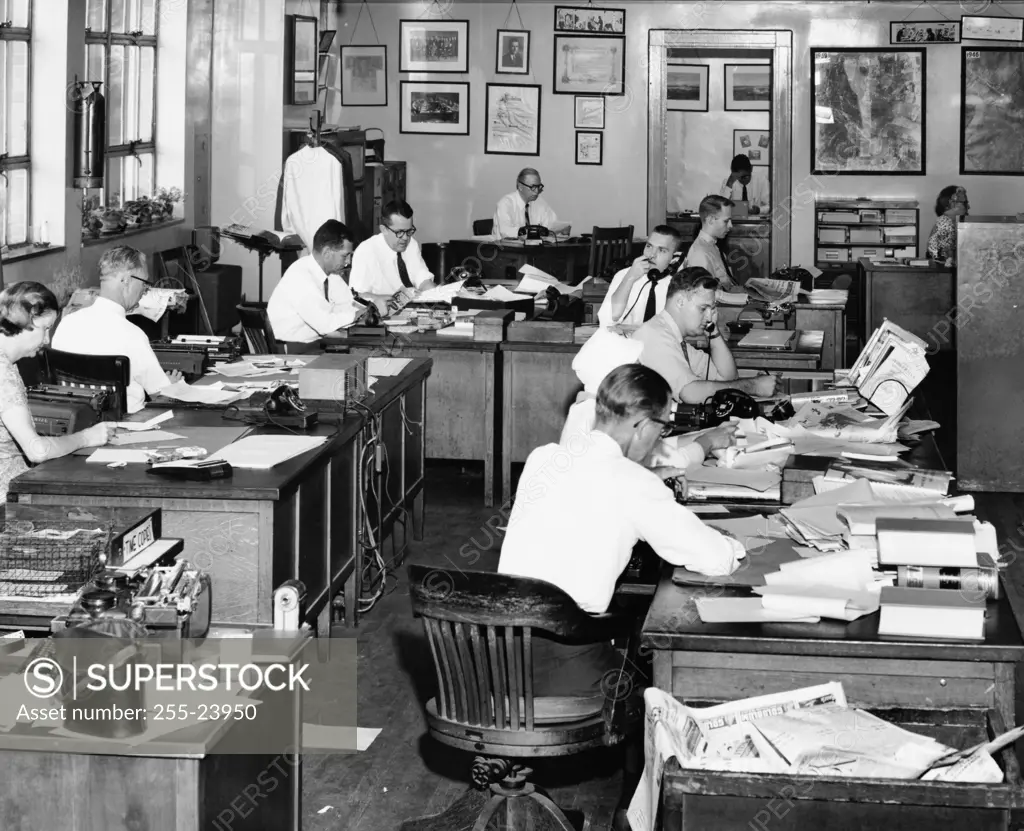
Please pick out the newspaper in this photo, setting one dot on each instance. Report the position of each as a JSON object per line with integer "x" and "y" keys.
{"x": 889, "y": 368}
{"x": 719, "y": 738}
{"x": 772, "y": 292}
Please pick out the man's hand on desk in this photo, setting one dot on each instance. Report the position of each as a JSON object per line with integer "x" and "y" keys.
{"x": 763, "y": 386}
{"x": 174, "y": 376}
{"x": 719, "y": 438}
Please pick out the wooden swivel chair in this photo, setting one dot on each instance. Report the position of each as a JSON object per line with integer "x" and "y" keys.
{"x": 609, "y": 251}
{"x": 481, "y": 227}
{"x": 256, "y": 329}
{"x": 103, "y": 373}
{"x": 479, "y": 627}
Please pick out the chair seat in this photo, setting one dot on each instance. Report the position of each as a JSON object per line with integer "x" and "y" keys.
{"x": 551, "y": 709}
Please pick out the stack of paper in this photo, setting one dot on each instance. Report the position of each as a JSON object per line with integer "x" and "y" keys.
{"x": 264, "y": 452}
{"x": 772, "y": 292}
{"x": 890, "y": 367}
{"x": 826, "y": 297}
{"x": 535, "y": 281}
{"x": 439, "y": 294}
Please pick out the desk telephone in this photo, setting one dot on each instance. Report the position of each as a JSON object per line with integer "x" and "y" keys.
{"x": 534, "y": 231}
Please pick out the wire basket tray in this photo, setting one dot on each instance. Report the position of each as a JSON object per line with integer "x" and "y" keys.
{"x": 40, "y": 559}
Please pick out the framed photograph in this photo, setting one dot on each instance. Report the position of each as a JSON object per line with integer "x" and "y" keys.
{"x": 587, "y": 64}
{"x": 748, "y": 87}
{"x": 589, "y": 147}
{"x": 434, "y": 107}
{"x": 433, "y": 46}
{"x": 513, "y": 120}
{"x": 991, "y": 111}
{"x": 686, "y": 88}
{"x": 589, "y": 112}
{"x": 301, "y": 59}
{"x": 992, "y": 28}
{"x": 868, "y": 111}
{"x": 512, "y": 55}
{"x": 590, "y": 19}
{"x": 364, "y": 76}
{"x": 754, "y": 144}
{"x": 925, "y": 31}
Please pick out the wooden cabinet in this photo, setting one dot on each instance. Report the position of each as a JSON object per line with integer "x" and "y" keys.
{"x": 386, "y": 182}
{"x": 921, "y": 300}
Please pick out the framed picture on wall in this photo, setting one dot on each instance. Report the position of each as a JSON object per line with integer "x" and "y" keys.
{"x": 589, "y": 112}
{"x": 867, "y": 113}
{"x": 513, "y": 119}
{"x": 589, "y": 147}
{"x": 590, "y": 19}
{"x": 433, "y": 46}
{"x": 925, "y": 31}
{"x": 301, "y": 59}
{"x": 754, "y": 144}
{"x": 687, "y": 87}
{"x": 990, "y": 111}
{"x": 588, "y": 64}
{"x": 512, "y": 55}
{"x": 748, "y": 87}
{"x": 434, "y": 108}
{"x": 364, "y": 76}
{"x": 992, "y": 28}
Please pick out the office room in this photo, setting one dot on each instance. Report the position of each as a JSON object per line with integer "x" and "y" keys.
{"x": 357, "y": 467}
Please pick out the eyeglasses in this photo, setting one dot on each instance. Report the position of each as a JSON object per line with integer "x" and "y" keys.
{"x": 667, "y": 427}
{"x": 533, "y": 188}
{"x": 140, "y": 280}
{"x": 407, "y": 234}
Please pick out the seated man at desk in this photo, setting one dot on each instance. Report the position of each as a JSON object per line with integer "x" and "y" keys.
{"x": 690, "y": 313}
{"x": 580, "y": 510}
{"x": 715, "y": 223}
{"x": 391, "y": 261}
{"x": 103, "y": 327}
{"x": 637, "y": 293}
{"x": 524, "y": 206}
{"x": 742, "y": 186}
{"x": 313, "y": 298}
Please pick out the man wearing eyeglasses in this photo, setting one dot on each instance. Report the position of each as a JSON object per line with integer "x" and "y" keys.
{"x": 524, "y": 206}
{"x": 103, "y": 327}
{"x": 391, "y": 261}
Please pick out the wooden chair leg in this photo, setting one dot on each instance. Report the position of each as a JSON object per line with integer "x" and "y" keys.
{"x": 553, "y": 810}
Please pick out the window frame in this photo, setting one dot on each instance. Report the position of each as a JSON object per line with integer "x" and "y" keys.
{"x": 10, "y": 34}
{"x": 110, "y": 39}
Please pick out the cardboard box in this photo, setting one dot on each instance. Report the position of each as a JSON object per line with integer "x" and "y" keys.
{"x": 492, "y": 325}
{"x": 332, "y": 378}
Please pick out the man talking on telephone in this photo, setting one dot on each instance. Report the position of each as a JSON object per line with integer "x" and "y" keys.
{"x": 523, "y": 207}
{"x": 637, "y": 293}
{"x": 694, "y": 374}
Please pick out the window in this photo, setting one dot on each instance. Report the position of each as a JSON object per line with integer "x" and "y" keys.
{"x": 15, "y": 85}
{"x": 120, "y": 50}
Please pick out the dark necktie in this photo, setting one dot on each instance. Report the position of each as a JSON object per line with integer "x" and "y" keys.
{"x": 527, "y": 214}
{"x": 725, "y": 260}
{"x": 327, "y": 293}
{"x": 654, "y": 276}
{"x": 744, "y": 193}
{"x": 403, "y": 272}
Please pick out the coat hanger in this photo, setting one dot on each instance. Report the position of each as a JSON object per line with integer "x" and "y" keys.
{"x": 314, "y": 129}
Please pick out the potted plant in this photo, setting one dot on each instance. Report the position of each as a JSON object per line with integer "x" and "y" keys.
{"x": 91, "y": 222}
{"x": 164, "y": 201}
{"x": 138, "y": 211}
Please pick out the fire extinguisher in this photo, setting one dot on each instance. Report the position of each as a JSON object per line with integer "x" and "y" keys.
{"x": 89, "y": 108}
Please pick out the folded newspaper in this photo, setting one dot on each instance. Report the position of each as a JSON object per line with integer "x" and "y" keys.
{"x": 772, "y": 292}
{"x": 889, "y": 368}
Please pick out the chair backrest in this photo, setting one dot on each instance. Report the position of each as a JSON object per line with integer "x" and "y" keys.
{"x": 479, "y": 626}
{"x": 482, "y": 227}
{"x": 609, "y": 248}
{"x": 107, "y": 373}
{"x": 256, "y": 328}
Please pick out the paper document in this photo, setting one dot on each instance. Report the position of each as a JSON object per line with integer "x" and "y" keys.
{"x": 535, "y": 281}
{"x": 503, "y": 295}
{"x": 439, "y": 294}
{"x": 143, "y": 437}
{"x": 145, "y": 425}
{"x": 111, "y": 455}
{"x": 211, "y": 394}
{"x": 386, "y": 367}
{"x": 264, "y": 452}
{"x": 757, "y": 480}
{"x": 747, "y": 610}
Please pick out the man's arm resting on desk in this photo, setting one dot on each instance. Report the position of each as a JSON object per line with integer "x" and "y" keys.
{"x": 697, "y": 392}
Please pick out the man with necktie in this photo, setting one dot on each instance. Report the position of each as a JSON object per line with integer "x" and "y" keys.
{"x": 391, "y": 261}
{"x": 637, "y": 293}
{"x": 524, "y": 206}
{"x": 715, "y": 224}
{"x": 743, "y": 186}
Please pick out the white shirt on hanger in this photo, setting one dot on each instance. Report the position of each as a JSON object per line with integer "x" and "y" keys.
{"x": 375, "y": 267}
{"x": 313, "y": 193}
{"x": 300, "y": 312}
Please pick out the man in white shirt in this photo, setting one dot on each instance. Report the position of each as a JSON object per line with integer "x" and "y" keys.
{"x": 524, "y": 206}
{"x": 715, "y": 224}
{"x": 743, "y": 186}
{"x": 694, "y": 374}
{"x": 103, "y": 328}
{"x": 313, "y": 298}
{"x": 391, "y": 261}
{"x": 637, "y": 293}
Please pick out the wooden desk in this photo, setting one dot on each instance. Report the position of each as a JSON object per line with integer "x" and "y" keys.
{"x": 830, "y": 320}
{"x": 463, "y": 394}
{"x": 568, "y": 261}
{"x": 921, "y": 300}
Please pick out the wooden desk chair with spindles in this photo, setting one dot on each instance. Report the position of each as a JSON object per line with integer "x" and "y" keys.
{"x": 609, "y": 251}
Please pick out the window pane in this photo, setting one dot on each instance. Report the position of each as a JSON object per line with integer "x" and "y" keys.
{"x": 131, "y": 94}
{"x": 119, "y": 15}
{"x": 15, "y": 11}
{"x": 95, "y": 58}
{"x": 147, "y": 56}
{"x": 115, "y": 97}
{"x": 112, "y": 193}
{"x": 4, "y": 120}
{"x": 16, "y": 89}
{"x": 96, "y": 15}
{"x": 17, "y": 207}
{"x": 148, "y": 15}
{"x": 144, "y": 175}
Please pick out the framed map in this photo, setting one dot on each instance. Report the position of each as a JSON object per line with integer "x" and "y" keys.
{"x": 992, "y": 111}
{"x": 868, "y": 111}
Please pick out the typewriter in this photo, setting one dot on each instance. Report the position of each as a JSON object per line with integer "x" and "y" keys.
{"x": 58, "y": 410}
{"x": 193, "y": 355}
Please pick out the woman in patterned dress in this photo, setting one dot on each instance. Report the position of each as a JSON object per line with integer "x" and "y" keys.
{"x": 28, "y": 312}
{"x": 952, "y": 202}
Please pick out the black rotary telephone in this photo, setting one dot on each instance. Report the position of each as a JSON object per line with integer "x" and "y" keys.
{"x": 716, "y": 409}
{"x": 534, "y": 231}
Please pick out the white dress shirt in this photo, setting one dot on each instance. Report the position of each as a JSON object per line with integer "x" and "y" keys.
{"x": 510, "y": 215}
{"x": 677, "y": 362}
{"x": 103, "y": 329}
{"x": 375, "y": 267}
{"x": 705, "y": 253}
{"x": 757, "y": 190}
{"x": 298, "y": 309}
{"x": 636, "y": 303}
{"x": 313, "y": 193}
{"x": 579, "y": 510}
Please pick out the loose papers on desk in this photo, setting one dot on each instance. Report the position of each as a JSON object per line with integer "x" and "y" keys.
{"x": 439, "y": 294}
{"x": 889, "y": 368}
{"x": 200, "y": 394}
{"x": 265, "y": 452}
{"x": 535, "y": 281}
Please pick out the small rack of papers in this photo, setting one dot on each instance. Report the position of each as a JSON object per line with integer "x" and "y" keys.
{"x": 806, "y": 732}
{"x": 890, "y": 367}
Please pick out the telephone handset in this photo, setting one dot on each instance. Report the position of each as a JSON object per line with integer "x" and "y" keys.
{"x": 532, "y": 232}
{"x": 669, "y": 270}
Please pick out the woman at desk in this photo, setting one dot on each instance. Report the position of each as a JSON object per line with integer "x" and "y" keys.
{"x": 952, "y": 203}
{"x": 28, "y": 312}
